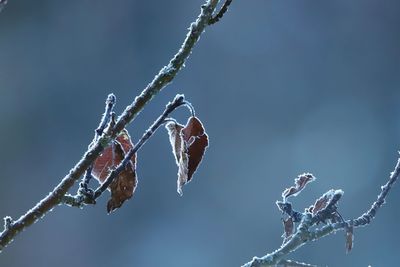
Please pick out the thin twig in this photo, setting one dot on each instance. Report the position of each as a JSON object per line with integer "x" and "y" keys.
{"x": 105, "y": 119}
{"x": 366, "y": 218}
{"x": 304, "y": 235}
{"x": 220, "y": 13}
{"x": 164, "y": 77}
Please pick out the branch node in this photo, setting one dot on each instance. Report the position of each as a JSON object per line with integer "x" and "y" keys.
{"x": 179, "y": 99}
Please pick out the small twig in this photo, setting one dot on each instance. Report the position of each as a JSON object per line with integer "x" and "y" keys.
{"x": 105, "y": 119}
{"x": 304, "y": 234}
{"x": 220, "y": 13}
{"x": 162, "y": 79}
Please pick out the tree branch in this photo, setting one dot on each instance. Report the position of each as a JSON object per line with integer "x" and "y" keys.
{"x": 168, "y": 72}
{"x": 163, "y": 78}
{"x": 304, "y": 234}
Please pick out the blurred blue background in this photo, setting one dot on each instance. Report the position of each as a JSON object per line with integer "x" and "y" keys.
{"x": 282, "y": 87}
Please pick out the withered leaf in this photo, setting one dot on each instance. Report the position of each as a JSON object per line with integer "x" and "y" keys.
{"x": 188, "y": 143}
{"x": 174, "y": 132}
{"x": 326, "y": 199}
{"x": 123, "y": 186}
{"x": 321, "y": 202}
{"x": 349, "y": 238}
{"x": 288, "y": 226}
{"x": 300, "y": 182}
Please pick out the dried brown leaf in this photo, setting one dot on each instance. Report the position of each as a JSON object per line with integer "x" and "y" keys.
{"x": 123, "y": 186}
{"x": 288, "y": 226}
{"x": 197, "y": 141}
{"x": 326, "y": 199}
{"x": 300, "y": 182}
{"x": 188, "y": 146}
{"x": 322, "y": 202}
{"x": 349, "y": 238}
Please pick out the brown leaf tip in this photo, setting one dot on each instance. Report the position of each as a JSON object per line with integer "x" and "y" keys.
{"x": 349, "y": 238}
{"x": 300, "y": 183}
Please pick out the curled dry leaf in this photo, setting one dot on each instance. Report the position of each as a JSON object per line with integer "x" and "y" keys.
{"x": 124, "y": 185}
{"x": 300, "y": 182}
{"x": 349, "y": 238}
{"x": 188, "y": 143}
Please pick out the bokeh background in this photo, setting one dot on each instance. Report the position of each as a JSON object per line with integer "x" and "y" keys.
{"x": 283, "y": 87}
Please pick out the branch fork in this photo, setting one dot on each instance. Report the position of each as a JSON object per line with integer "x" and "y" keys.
{"x": 104, "y": 136}
{"x": 87, "y": 195}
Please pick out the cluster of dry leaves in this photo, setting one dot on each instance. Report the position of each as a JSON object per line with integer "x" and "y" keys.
{"x": 324, "y": 210}
{"x": 188, "y": 143}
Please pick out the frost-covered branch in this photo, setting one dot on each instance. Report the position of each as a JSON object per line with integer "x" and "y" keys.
{"x": 163, "y": 78}
{"x": 323, "y": 211}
